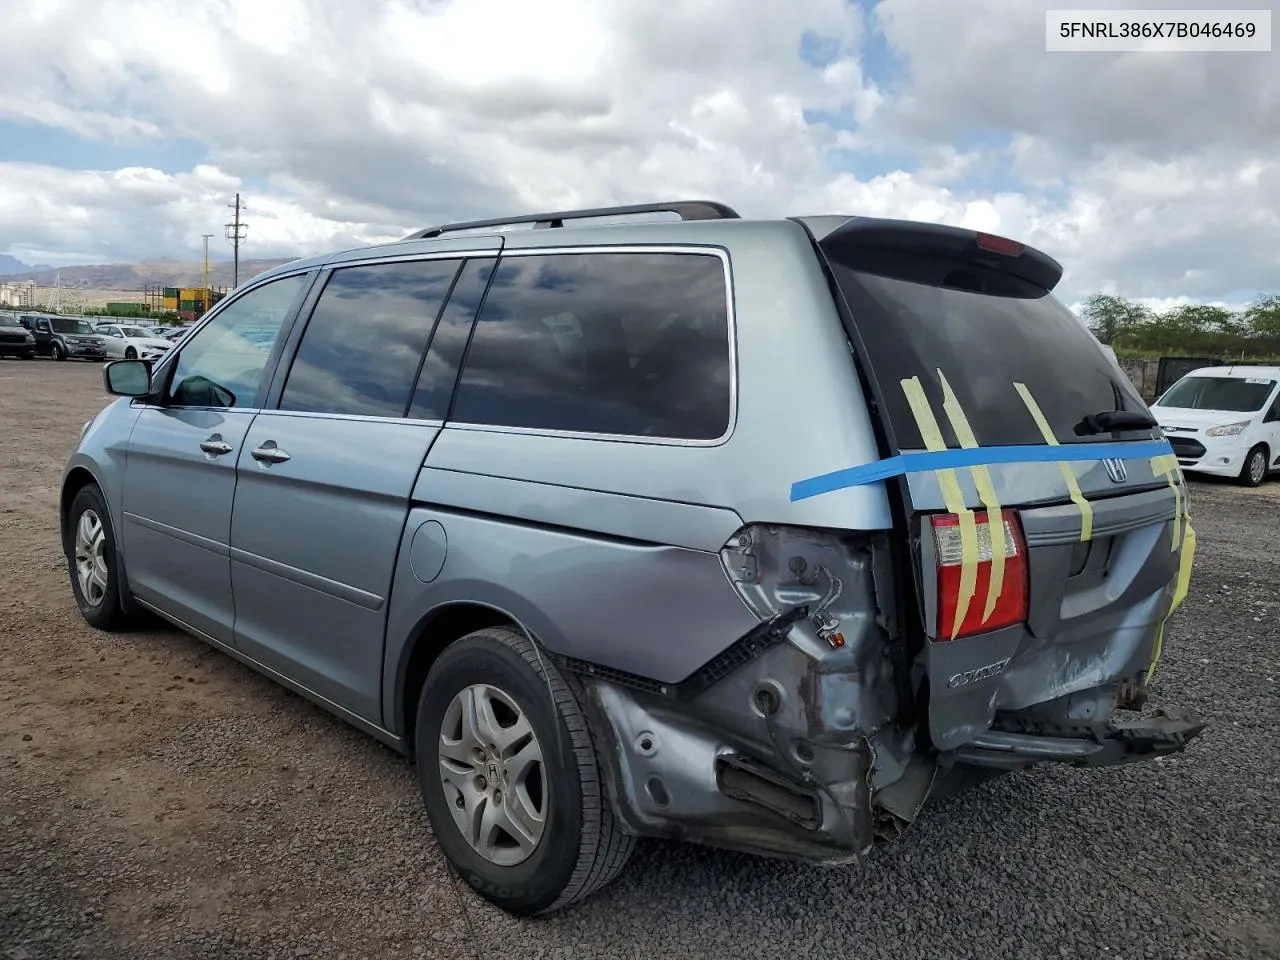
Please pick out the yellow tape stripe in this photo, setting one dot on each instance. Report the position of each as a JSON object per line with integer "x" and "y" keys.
{"x": 1185, "y": 561}
{"x": 952, "y": 497}
{"x": 986, "y": 490}
{"x": 1073, "y": 485}
{"x": 1167, "y": 466}
{"x": 1182, "y": 586}
{"x": 1155, "y": 656}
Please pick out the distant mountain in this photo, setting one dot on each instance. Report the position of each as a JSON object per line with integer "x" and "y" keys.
{"x": 10, "y": 266}
{"x": 134, "y": 277}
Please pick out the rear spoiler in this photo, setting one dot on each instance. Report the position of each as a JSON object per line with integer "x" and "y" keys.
{"x": 871, "y": 235}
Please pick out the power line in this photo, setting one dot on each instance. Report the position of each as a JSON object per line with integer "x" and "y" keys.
{"x": 235, "y": 232}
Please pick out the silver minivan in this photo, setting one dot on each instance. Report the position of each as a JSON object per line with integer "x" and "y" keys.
{"x": 755, "y": 533}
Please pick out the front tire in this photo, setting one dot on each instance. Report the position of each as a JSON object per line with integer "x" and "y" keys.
{"x": 90, "y": 547}
{"x": 526, "y": 824}
{"x": 130, "y": 354}
{"x": 1254, "y": 471}
{"x": 56, "y": 352}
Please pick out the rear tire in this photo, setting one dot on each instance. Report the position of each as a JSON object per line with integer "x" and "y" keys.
{"x": 90, "y": 547}
{"x": 1254, "y": 471}
{"x": 579, "y": 846}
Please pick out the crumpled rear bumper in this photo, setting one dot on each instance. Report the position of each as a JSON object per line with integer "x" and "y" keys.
{"x": 1166, "y": 732}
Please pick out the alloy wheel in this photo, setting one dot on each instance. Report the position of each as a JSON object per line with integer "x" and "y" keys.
{"x": 1257, "y": 467}
{"x": 493, "y": 774}
{"x": 91, "y": 558}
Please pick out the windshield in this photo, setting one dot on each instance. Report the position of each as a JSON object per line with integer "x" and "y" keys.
{"x": 70, "y": 325}
{"x": 9, "y": 322}
{"x": 135, "y": 332}
{"x": 984, "y": 344}
{"x": 1231, "y": 394}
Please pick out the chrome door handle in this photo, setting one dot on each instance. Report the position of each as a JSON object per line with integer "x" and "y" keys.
{"x": 269, "y": 453}
{"x": 215, "y": 446}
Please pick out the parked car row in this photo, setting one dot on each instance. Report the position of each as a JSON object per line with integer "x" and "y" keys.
{"x": 30, "y": 335}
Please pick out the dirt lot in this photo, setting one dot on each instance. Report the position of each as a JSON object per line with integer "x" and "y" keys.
{"x": 159, "y": 800}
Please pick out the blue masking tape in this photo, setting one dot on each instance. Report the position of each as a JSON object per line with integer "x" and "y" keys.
{"x": 904, "y": 463}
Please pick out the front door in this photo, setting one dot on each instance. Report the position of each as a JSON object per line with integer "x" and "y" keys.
{"x": 43, "y": 333}
{"x": 325, "y": 478}
{"x": 180, "y": 475}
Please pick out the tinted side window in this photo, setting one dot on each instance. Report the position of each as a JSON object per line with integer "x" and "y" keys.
{"x": 449, "y": 342}
{"x": 362, "y": 347}
{"x": 616, "y": 343}
{"x": 222, "y": 364}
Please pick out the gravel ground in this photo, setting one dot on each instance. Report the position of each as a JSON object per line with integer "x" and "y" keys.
{"x": 159, "y": 800}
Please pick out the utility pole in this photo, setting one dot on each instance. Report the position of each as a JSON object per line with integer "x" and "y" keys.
{"x": 206, "y": 296}
{"x": 235, "y": 233}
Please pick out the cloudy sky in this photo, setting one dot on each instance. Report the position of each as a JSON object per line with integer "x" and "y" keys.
{"x": 127, "y": 125}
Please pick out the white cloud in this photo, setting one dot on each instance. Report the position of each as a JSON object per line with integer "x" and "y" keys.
{"x": 349, "y": 121}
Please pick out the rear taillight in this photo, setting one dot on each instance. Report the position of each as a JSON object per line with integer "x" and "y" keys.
{"x": 999, "y": 596}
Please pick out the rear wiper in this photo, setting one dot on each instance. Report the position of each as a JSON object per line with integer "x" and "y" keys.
{"x": 1110, "y": 421}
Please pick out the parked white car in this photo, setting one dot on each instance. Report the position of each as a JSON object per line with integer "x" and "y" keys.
{"x": 1224, "y": 421}
{"x": 133, "y": 343}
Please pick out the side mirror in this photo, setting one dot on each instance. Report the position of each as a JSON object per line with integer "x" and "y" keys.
{"x": 127, "y": 378}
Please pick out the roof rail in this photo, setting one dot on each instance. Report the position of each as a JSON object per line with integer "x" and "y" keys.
{"x": 686, "y": 209}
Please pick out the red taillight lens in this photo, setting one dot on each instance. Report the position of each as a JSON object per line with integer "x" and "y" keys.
{"x": 993, "y": 244}
{"x": 987, "y": 609}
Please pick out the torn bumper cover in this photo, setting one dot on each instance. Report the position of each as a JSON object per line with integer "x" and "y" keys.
{"x": 1166, "y": 732}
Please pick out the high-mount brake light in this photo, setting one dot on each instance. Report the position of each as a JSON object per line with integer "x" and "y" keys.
{"x": 1002, "y": 245}
{"x": 1011, "y": 598}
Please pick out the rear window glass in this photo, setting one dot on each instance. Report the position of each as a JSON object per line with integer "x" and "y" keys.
{"x": 984, "y": 344}
{"x": 1237, "y": 395}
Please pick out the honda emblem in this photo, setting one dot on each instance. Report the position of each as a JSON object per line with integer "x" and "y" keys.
{"x": 1116, "y": 470}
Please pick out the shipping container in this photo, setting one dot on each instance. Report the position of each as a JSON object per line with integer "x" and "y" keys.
{"x": 123, "y": 309}
{"x": 171, "y": 293}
